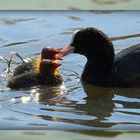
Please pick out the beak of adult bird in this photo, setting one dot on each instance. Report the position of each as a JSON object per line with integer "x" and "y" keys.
{"x": 67, "y": 50}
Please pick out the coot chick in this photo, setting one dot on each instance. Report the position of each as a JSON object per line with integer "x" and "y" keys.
{"x": 33, "y": 63}
{"x": 47, "y": 75}
{"x": 103, "y": 67}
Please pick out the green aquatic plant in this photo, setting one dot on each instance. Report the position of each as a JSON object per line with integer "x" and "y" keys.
{"x": 9, "y": 61}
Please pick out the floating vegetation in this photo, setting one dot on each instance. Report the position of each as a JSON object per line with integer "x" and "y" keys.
{"x": 9, "y": 61}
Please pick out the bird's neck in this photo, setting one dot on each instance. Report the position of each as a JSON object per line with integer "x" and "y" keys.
{"x": 37, "y": 63}
{"x": 53, "y": 79}
{"x": 53, "y": 73}
{"x": 96, "y": 71}
{"x": 56, "y": 72}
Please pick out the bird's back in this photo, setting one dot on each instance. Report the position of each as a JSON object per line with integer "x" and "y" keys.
{"x": 127, "y": 66}
{"x": 23, "y": 80}
{"x": 28, "y": 65}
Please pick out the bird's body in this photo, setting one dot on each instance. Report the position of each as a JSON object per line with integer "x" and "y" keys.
{"x": 24, "y": 67}
{"x": 48, "y": 74}
{"x": 103, "y": 67}
{"x": 127, "y": 66}
{"x": 30, "y": 79}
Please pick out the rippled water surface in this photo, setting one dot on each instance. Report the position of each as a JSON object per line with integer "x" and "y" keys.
{"x": 72, "y": 106}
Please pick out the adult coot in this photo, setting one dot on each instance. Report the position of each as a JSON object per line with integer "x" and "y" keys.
{"x": 103, "y": 67}
{"x": 48, "y": 74}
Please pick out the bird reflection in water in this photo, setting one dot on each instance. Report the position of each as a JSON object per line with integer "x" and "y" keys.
{"x": 46, "y": 94}
{"x": 99, "y": 105}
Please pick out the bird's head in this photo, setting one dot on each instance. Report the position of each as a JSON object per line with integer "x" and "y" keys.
{"x": 50, "y": 53}
{"x": 49, "y": 67}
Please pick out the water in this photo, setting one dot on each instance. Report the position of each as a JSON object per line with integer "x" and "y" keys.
{"x": 72, "y": 106}
{"x": 70, "y": 5}
{"x": 66, "y": 135}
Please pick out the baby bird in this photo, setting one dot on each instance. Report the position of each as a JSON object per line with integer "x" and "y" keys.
{"x": 34, "y": 63}
{"x": 48, "y": 74}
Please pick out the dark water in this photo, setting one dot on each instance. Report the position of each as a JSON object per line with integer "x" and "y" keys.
{"x": 72, "y": 106}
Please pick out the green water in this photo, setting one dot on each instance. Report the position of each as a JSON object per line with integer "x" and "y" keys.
{"x": 67, "y": 135}
{"x": 70, "y": 4}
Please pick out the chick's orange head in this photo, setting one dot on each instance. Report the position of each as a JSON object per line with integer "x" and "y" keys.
{"x": 48, "y": 66}
{"x": 50, "y": 53}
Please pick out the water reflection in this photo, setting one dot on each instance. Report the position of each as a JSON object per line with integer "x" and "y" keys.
{"x": 97, "y": 91}
{"x": 95, "y": 111}
{"x": 48, "y": 95}
{"x": 103, "y": 103}
{"x": 101, "y": 109}
{"x": 94, "y": 117}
